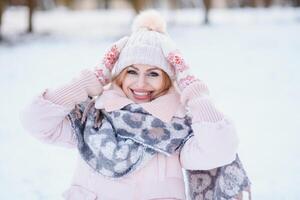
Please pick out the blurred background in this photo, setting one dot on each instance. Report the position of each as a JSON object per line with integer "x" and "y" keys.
{"x": 247, "y": 51}
{"x": 137, "y": 5}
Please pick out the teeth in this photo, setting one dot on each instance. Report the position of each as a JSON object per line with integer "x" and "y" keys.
{"x": 141, "y": 93}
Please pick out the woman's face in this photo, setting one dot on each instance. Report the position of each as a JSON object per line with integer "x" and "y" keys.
{"x": 143, "y": 83}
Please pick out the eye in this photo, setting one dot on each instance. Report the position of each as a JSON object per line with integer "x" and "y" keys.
{"x": 130, "y": 71}
{"x": 153, "y": 74}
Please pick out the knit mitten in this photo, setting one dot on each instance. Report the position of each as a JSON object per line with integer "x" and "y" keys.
{"x": 103, "y": 70}
{"x": 194, "y": 92}
{"x": 175, "y": 59}
{"x": 88, "y": 82}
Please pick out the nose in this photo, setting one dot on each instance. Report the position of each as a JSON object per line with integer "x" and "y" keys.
{"x": 141, "y": 82}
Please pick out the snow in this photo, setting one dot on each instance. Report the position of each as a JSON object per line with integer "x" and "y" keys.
{"x": 248, "y": 58}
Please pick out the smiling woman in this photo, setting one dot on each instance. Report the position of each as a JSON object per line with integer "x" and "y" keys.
{"x": 136, "y": 135}
{"x": 143, "y": 83}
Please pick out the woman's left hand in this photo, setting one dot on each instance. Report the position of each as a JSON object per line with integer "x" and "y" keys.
{"x": 175, "y": 58}
{"x": 190, "y": 86}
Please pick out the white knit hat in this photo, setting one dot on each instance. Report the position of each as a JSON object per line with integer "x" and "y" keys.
{"x": 144, "y": 44}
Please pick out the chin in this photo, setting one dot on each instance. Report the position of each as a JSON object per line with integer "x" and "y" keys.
{"x": 140, "y": 101}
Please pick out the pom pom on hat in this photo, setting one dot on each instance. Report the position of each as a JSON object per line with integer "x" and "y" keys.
{"x": 151, "y": 20}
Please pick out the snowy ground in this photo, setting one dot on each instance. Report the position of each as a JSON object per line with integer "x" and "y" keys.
{"x": 249, "y": 59}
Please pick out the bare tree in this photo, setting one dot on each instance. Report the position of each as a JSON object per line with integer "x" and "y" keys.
{"x": 2, "y": 6}
{"x": 207, "y": 6}
{"x": 68, "y": 3}
{"x": 137, "y": 5}
{"x": 31, "y": 4}
{"x": 296, "y": 3}
{"x": 103, "y": 4}
{"x": 248, "y": 3}
{"x": 174, "y": 4}
{"x": 267, "y": 3}
{"x": 106, "y": 4}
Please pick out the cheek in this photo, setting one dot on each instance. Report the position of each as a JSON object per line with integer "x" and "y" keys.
{"x": 126, "y": 83}
{"x": 156, "y": 84}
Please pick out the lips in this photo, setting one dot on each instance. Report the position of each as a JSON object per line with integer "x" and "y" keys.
{"x": 141, "y": 94}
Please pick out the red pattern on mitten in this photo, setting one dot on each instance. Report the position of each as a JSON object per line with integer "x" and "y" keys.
{"x": 103, "y": 71}
{"x": 175, "y": 58}
{"x": 111, "y": 57}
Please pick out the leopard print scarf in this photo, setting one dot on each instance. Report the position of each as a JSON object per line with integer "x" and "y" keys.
{"x": 120, "y": 142}
{"x": 117, "y": 143}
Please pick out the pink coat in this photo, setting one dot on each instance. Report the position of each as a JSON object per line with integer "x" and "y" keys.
{"x": 214, "y": 144}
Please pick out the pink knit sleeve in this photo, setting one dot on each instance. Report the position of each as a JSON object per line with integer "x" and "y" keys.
{"x": 215, "y": 140}
{"x": 75, "y": 91}
{"x": 45, "y": 117}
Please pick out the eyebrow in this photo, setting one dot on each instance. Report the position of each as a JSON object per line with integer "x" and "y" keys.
{"x": 153, "y": 68}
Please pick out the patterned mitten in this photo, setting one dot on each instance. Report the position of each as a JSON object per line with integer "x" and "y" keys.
{"x": 103, "y": 71}
{"x": 194, "y": 92}
{"x": 174, "y": 57}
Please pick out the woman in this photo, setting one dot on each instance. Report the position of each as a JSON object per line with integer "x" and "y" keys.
{"x": 153, "y": 119}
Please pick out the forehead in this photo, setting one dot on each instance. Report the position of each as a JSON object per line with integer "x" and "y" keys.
{"x": 144, "y": 67}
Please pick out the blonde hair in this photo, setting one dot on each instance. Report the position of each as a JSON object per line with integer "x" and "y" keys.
{"x": 167, "y": 83}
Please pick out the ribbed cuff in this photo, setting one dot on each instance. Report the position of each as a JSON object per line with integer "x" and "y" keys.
{"x": 93, "y": 86}
{"x": 194, "y": 90}
{"x": 204, "y": 110}
{"x": 76, "y": 91}
{"x": 196, "y": 96}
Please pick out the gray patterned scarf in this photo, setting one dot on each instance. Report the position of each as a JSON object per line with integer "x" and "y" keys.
{"x": 120, "y": 142}
{"x": 117, "y": 143}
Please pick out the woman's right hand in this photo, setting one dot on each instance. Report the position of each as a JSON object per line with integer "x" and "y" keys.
{"x": 89, "y": 82}
{"x": 103, "y": 71}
